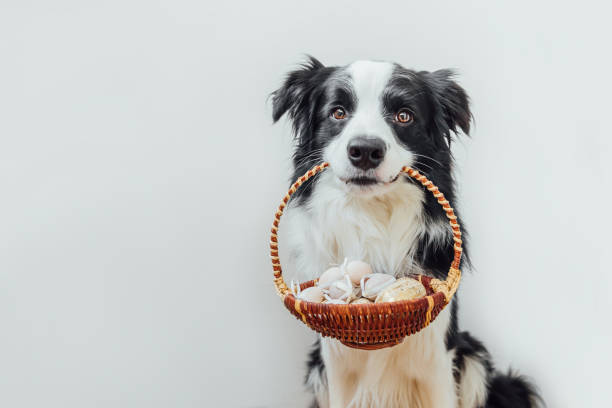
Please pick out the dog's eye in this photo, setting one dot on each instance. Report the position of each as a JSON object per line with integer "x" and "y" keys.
{"x": 403, "y": 116}
{"x": 338, "y": 113}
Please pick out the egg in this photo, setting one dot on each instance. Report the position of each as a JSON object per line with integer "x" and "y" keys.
{"x": 311, "y": 294}
{"x": 361, "y": 301}
{"x": 373, "y": 283}
{"x": 331, "y": 275}
{"x": 402, "y": 289}
{"x": 340, "y": 289}
{"x": 356, "y": 270}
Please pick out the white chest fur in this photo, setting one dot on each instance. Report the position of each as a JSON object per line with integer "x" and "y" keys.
{"x": 416, "y": 373}
{"x": 381, "y": 230}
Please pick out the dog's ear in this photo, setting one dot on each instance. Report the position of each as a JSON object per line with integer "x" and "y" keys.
{"x": 297, "y": 96}
{"x": 454, "y": 103}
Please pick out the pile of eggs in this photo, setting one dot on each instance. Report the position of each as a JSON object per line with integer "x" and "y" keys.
{"x": 354, "y": 283}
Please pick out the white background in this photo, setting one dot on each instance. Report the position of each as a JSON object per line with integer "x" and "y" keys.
{"x": 139, "y": 171}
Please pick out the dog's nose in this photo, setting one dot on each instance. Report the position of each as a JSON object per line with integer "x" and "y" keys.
{"x": 366, "y": 153}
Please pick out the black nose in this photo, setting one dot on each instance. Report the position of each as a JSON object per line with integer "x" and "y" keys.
{"x": 366, "y": 153}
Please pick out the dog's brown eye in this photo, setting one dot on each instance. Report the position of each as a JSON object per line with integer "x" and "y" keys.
{"x": 403, "y": 116}
{"x": 339, "y": 113}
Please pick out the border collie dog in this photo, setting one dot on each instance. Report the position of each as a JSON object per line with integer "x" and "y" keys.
{"x": 368, "y": 120}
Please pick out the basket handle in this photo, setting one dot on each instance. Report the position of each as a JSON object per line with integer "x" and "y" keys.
{"x": 448, "y": 287}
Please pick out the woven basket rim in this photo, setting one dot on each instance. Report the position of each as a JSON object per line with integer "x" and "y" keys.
{"x": 363, "y": 306}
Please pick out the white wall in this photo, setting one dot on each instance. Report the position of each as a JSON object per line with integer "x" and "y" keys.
{"x": 139, "y": 171}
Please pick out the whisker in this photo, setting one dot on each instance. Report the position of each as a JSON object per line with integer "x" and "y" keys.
{"x": 429, "y": 158}
{"x": 423, "y": 164}
{"x": 308, "y": 157}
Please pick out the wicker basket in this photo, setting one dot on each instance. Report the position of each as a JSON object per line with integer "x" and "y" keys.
{"x": 377, "y": 325}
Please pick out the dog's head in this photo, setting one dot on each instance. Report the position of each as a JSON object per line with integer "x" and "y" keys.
{"x": 369, "y": 119}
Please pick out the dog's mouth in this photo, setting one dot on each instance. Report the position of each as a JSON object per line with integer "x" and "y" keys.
{"x": 365, "y": 181}
{"x": 362, "y": 181}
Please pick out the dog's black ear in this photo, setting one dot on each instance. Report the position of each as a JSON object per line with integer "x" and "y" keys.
{"x": 453, "y": 101}
{"x": 296, "y": 96}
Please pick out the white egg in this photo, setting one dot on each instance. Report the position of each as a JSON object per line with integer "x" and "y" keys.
{"x": 361, "y": 301}
{"x": 311, "y": 294}
{"x": 356, "y": 270}
{"x": 341, "y": 289}
{"x": 331, "y": 275}
{"x": 372, "y": 284}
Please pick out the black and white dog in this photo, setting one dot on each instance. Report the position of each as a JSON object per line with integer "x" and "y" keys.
{"x": 368, "y": 120}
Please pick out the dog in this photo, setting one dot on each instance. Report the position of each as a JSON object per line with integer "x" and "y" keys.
{"x": 367, "y": 120}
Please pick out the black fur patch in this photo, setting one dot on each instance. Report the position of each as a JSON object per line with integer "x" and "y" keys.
{"x": 512, "y": 391}
{"x": 466, "y": 346}
{"x": 314, "y": 362}
{"x": 504, "y": 390}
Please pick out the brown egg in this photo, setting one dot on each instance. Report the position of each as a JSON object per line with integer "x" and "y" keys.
{"x": 402, "y": 289}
